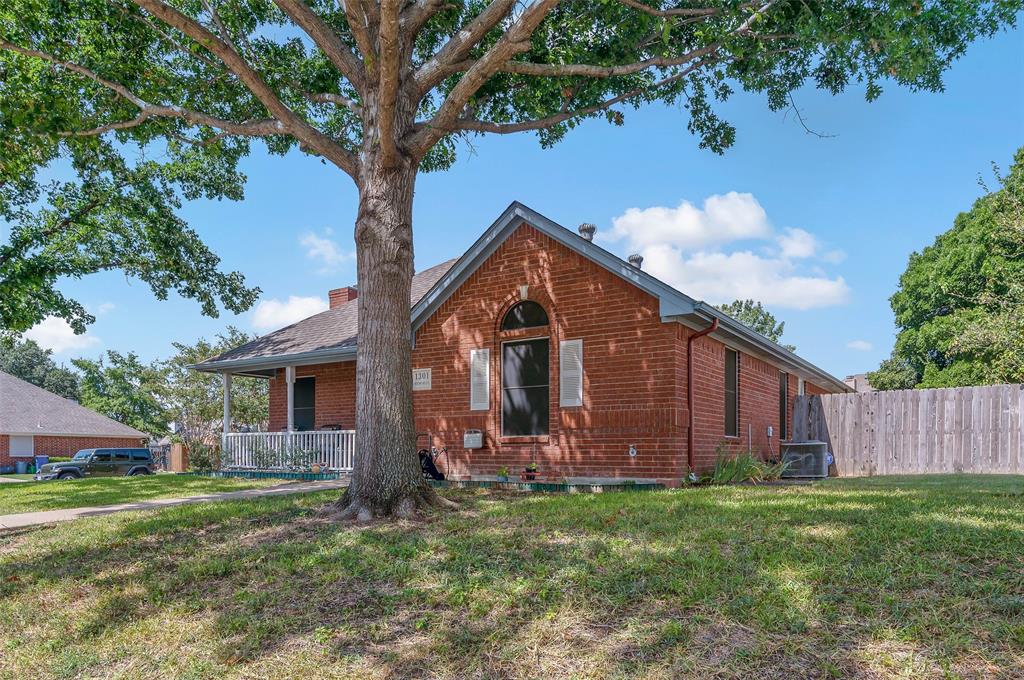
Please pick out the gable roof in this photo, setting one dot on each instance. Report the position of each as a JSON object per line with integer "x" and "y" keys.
{"x": 27, "y": 409}
{"x": 327, "y": 336}
{"x": 674, "y": 306}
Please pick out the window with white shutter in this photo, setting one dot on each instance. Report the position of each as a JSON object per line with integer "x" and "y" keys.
{"x": 570, "y": 373}
{"x": 479, "y": 379}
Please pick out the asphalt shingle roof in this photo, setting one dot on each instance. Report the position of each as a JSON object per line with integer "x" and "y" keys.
{"x": 27, "y": 409}
{"x": 332, "y": 329}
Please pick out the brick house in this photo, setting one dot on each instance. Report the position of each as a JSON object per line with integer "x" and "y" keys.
{"x": 35, "y": 422}
{"x": 556, "y": 351}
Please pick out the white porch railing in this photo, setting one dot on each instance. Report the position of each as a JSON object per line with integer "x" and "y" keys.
{"x": 284, "y": 450}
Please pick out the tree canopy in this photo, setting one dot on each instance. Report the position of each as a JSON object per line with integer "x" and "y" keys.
{"x": 25, "y": 359}
{"x": 194, "y": 401}
{"x": 754, "y": 315}
{"x": 149, "y": 102}
{"x": 124, "y": 388}
{"x": 960, "y": 303}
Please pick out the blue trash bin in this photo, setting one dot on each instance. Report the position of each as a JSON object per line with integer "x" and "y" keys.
{"x": 21, "y": 466}
{"x": 41, "y": 461}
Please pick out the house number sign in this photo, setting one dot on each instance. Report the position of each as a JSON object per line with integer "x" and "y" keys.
{"x": 421, "y": 380}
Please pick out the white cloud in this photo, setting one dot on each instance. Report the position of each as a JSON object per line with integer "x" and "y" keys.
{"x": 324, "y": 250}
{"x": 689, "y": 248}
{"x": 797, "y": 243}
{"x": 56, "y": 334}
{"x": 723, "y": 277}
{"x": 104, "y": 308}
{"x": 860, "y": 345}
{"x": 724, "y": 218}
{"x": 273, "y": 313}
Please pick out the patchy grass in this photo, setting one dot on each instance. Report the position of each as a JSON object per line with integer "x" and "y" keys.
{"x": 883, "y": 578}
{"x": 78, "y": 493}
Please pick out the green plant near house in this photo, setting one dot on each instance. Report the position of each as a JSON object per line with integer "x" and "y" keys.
{"x": 503, "y": 472}
{"x": 733, "y": 468}
{"x": 203, "y": 458}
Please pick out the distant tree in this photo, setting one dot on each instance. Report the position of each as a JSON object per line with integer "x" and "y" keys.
{"x": 125, "y": 389}
{"x": 754, "y": 315}
{"x": 960, "y": 303}
{"x": 194, "y": 401}
{"x": 382, "y": 91}
{"x": 893, "y": 374}
{"x": 25, "y": 359}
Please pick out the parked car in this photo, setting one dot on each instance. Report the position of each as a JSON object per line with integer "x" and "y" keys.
{"x": 100, "y": 463}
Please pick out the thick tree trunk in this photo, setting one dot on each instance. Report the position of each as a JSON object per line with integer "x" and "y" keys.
{"x": 387, "y": 478}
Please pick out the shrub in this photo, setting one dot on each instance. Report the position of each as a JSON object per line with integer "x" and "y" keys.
{"x": 742, "y": 467}
{"x": 203, "y": 458}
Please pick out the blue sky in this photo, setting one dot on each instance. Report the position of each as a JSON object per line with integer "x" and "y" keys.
{"x": 793, "y": 219}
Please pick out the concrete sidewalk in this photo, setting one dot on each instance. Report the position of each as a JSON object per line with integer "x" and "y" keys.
{"x": 28, "y": 519}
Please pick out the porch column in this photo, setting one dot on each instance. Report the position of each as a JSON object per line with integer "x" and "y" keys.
{"x": 289, "y": 376}
{"x": 227, "y": 406}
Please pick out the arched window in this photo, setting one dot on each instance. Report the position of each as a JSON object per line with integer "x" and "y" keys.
{"x": 524, "y": 374}
{"x": 526, "y": 314}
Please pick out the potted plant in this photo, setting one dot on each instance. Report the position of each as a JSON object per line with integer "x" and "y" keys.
{"x": 503, "y": 474}
{"x": 530, "y": 472}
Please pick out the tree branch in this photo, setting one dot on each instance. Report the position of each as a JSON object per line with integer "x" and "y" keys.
{"x": 359, "y": 23}
{"x": 325, "y": 38}
{"x": 388, "y": 82}
{"x": 514, "y": 41}
{"x": 336, "y": 99}
{"x": 677, "y": 11}
{"x": 431, "y": 73}
{"x": 419, "y": 13}
{"x": 147, "y": 111}
{"x": 592, "y": 70}
{"x": 472, "y": 125}
{"x": 308, "y": 136}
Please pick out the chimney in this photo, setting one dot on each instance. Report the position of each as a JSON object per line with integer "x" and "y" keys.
{"x": 340, "y": 296}
{"x": 587, "y": 230}
{"x": 636, "y": 259}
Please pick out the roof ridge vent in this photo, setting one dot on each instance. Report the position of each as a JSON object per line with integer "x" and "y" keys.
{"x": 587, "y": 230}
{"x": 636, "y": 259}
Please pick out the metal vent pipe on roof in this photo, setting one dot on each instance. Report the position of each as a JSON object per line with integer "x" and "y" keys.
{"x": 636, "y": 259}
{"x": 587, "y": 230}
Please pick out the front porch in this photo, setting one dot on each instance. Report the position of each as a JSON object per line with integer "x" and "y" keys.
{"x": 305, "y": 431}
{"x": 330, "y": 450}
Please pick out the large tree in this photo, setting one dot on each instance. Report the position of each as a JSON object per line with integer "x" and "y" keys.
{"x": 960, "y": 303}
{"x": 384, "y": 90}
{"x": 25, "y": 359}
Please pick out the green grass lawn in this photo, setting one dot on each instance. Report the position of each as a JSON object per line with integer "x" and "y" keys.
{"x": 77, "y": 493}
{"x": 889, "y": 578}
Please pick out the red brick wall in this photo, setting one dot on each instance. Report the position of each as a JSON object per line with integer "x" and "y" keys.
{"x": 335, "y": 395}
{"x": 632, "y": 389}
{"x": 66, "y": 446}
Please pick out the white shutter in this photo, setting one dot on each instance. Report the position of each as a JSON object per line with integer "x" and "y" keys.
{"x": 570, "y": 373}
{"x": 479, "y": 379}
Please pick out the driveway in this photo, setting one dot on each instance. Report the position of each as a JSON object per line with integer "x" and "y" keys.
{"x": 28, "y": 519}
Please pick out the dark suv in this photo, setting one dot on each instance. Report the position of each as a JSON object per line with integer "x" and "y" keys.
{"x": 100, "y": 463}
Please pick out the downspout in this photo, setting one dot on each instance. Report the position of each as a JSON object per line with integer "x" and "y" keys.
{"x": 689, "y": 390}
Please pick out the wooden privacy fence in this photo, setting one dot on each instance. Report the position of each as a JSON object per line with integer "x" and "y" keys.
{"x": 960, "y": 429}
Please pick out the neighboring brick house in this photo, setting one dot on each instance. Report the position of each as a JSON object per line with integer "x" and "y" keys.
{"x": 559, "y": 353}
{"x": 36, "y": 422}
